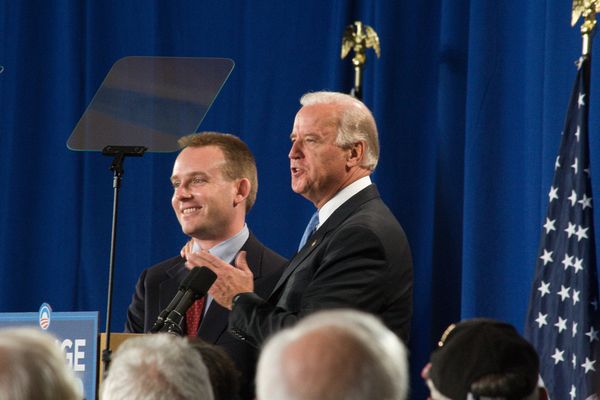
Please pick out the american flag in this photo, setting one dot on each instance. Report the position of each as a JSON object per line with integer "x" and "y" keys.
{"x": 562, "y": 321}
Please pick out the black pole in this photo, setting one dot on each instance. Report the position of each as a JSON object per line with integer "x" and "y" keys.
{"x": 356, "y": 93}
{"x": 119, "y": 153}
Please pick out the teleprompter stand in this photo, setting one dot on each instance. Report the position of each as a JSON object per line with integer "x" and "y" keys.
{"x": 118, "y": 153}
{"x": 145, "y": 104}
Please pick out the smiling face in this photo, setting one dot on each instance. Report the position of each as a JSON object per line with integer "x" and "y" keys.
{"x": 319, "y": 167}
{"x": 209, "y": 207}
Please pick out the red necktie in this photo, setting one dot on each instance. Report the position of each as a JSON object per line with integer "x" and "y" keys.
{"x": 193, "y": 316}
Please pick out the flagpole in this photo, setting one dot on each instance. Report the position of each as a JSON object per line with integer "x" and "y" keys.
{"x": 358, "y": 37}
{"x": 587, "y": 9}
{"x": 563, "y": 321}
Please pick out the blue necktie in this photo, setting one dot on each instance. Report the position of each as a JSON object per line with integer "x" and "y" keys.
{"x": 310, "y": 229}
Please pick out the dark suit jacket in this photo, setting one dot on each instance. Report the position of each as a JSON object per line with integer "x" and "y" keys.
{"x": 158, "y": 284}
{"x": 359, "y": 258}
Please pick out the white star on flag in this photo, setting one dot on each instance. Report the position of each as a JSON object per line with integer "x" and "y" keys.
{"x": 574, "y": 166}
{"x": 580, "y": 101}
{"x": 581, "y": 233}
{"x": 564, "y": 292}
{"x": 573, "y": 392}
{"x": 541, "y": 320}
{"x": 558, "y": 356}
{"x": 549, "y": 225}
{"x": 571, "y": 229}
{"x": 544, "y": 288}
{"x": 567, "y": 261}
{"x": 585, "y": 201}
{"x": 553, "y": 193}
{"x": 573, "y": 197}
{"x": 561, "y": 324}
{"x": 547, "y": 257}
{"x": 588, "y": 365}
{"x": 592, "y": 334}
{"x": 577, "y": 265}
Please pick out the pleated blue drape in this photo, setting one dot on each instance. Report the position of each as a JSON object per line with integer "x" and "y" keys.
{"x": 469, "y": 96}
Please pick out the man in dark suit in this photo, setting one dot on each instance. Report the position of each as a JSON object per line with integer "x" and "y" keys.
{"x": 358, "y": 257}
{"x": 215, "y": 183}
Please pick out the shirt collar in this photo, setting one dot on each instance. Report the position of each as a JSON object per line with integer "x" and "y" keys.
{"x": 341, "y": 197}
{"x": 228, "y": 249}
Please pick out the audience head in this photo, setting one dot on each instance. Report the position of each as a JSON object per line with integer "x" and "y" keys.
{"x": 482, "y": 358}
{"x": 224, "y": 376}
{"x": 32, "y": 366}
{"x": 333, "y": 355}
{"x": 157, "y": 367}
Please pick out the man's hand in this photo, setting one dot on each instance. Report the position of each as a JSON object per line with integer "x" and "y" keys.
{"x": 230, "y": 280}
{"x": 187, "y": 249}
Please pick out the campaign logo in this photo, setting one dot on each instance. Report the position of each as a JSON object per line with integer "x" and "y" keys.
{"x": 44, "y": 315}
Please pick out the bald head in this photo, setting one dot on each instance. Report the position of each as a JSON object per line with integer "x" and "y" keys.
{"x": 333, "y": 355}
{"x": 312, "y": 357}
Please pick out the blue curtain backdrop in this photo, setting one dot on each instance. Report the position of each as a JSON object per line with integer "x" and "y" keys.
{"x": 469, "y": 96}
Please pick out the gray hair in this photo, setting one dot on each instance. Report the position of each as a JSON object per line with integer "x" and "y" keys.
{"x": 356, "y": 123}
{"x": 33, "y": 366}
{"x": 358, "y": 358}
{"x": 157, "y": 367}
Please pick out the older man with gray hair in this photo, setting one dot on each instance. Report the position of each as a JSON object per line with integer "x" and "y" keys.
{"x": 157, "y": 367}
{"x": 32, "y": 366}
{"x": 354, "y": 252}
{"x": 334, "y": 355}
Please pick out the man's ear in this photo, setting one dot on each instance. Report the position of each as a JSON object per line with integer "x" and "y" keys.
{"x": 242, "y": 191}
{"x": 356, "y": 153}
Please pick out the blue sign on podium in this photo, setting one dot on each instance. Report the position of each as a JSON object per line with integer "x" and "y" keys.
{"x": 77, "y": 335}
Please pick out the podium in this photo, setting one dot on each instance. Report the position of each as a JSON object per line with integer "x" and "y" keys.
{"x": 76, "y": 334}
{"x": 116, "y": 339}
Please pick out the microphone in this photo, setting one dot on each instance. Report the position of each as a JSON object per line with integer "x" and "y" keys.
{"x": 185, "y": 284}
{"x": 199, "y": 285}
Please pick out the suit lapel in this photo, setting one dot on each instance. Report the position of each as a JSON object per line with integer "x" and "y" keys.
{"x": 214, "y": 323}
{"x": 313, "y": 242}
{"x": 168, "y": 287}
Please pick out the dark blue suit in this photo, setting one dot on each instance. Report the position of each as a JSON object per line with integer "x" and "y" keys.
{"x": 359, "y": 258}
{"x": 158, "y": 284}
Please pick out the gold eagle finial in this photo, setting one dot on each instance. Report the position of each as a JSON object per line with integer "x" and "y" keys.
{"x": 586, "y": 9}
{"x": 359, "y": 37}
{"x": 583, "y": 7}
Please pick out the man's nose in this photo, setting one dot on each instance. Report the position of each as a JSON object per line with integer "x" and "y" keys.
{"x": 295, "y": 150}
{"x": 181, "y": 192}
